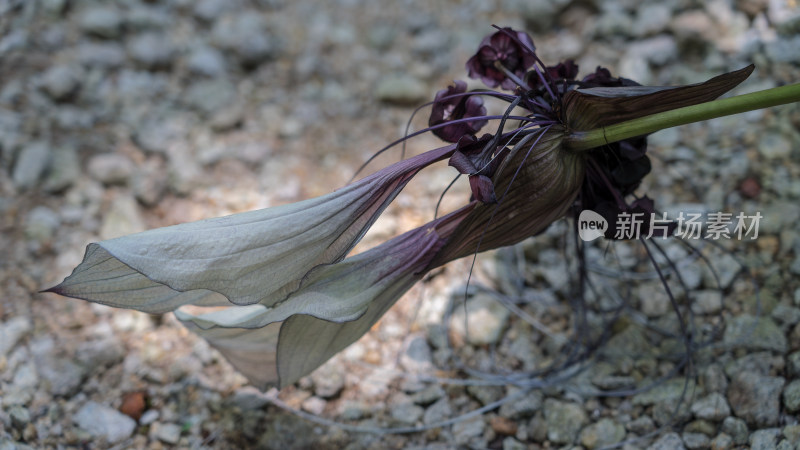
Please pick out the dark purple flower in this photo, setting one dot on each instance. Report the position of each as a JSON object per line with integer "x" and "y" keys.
{"x": 473, "y": 158}
{"x": 564, "y": 71}
{"x": 501, "y": 54}
{"x": 452, "y": 104}
{"x": 602, "y": 78}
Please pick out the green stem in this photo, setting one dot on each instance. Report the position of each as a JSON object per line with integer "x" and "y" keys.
{"x": 584, "y": 140}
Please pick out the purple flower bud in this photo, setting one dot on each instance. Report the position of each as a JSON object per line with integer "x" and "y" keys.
{"x": 566, "y": 70}
{"x": 500, "y": 48}
{"x": 452, "y": 104}
{"x": 602, "y": 77}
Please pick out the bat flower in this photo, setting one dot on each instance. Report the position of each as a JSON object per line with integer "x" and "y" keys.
{"x": 451, "y": 105}
{"x": 292, "y": 296}
{"x": 476, "y": 158}
{"x": 562, "y": 72}
{"x": 502, "y": 58}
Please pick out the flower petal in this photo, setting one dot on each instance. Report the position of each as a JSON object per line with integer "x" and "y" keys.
{"x": 546, "y": 184}
{"x": 335, "y": 306}
{"x": 251, "y": 257}
{"x": 586, "y": 109}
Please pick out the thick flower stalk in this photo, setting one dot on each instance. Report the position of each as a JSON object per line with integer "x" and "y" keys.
{"x": 291, "y": 296}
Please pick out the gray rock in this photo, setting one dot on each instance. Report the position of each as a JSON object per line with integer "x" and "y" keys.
{"x": 406, "y": 412}
{"x": 722, "y": 442}
{"x": 564, "y": 420}
{"x": 669, "y": 441}
{"x": 247, "y": 36}
{"x": 764, "y": 439}
{"x": 63, "y": 376}
{"x": 417, "y": 357}
{"x": 314, "y": 405}
{"x": 552, "y": 266}
{"x": 65, "y": 170}
{"x": 54, "y": 7}
{"x": 111, "y": 168}
{"x": 791, "y": 397}
{"x": 538, "y": 14}
{"x": 696, "y": 441}
{"x": 428, "y": 395}
{"x": 651, "y": 19}
{"x": 753, "y": 333}
{"x": 102, "y": 21}
{"x": 432, "y": 41}
{"x": 792, "y": 365}
{"x": 31, "y": 163}
{"x": 437, "y": 412}
{"x": 227, "y": 119}
{"x": 736, "y": 428}
{"x": 26, "y": 377}
{"x": 756, "y": 398}
{"x": 779, "y": 215}
{"x": 41, "y": 224}
{"x": 20, "y": 417}
{"x": 168, "y": 432}
{"x": 630, "y": 342}
{"x": 712, "y": 407}
{"x": 11, "y": 332}
{"x": 657, "y": 50}
{"x": 140, "y": 18}
{"x": 613, "y": 21}
{"x": 785, "y": 315}
{"x": 100, "y": 354}
{"x": 206, "y": 61}
{"x": 668, "y": 391}
{"x": 759, "y": 363}
{"x": 210, "y": 96}
{"x": 151, "y": 50}
{"x": 792, "y": 433}
{"x": 525, "y": 406}
{"x": 353, "y": 410}
{"x": 714, "y": 379}
{"x": 209, "y": 10}
{"x": 104, "y": 422}
{"x": 641, "y": 425}
{"x": 149, "y": 182}
{"x": 185, "y": 173}
{"x": 328, "y": 381}
{"x": 105, "y": 55}
{"x": 466, "y": 430}
{"x": 707, "y": 302}
{"x": 486, "y": 318}
{"x": 157, "y": 136}
{"x": 784, "y": 50}
{"x": 774, "y": 145}
{"x": 123, "y": 218}
{"x": 401, "y": 90}
{"x": 602, "y": 433}
{"x": 61, "y": 82}
{"x": 726, "y": 269}
{"x": 654, "y": 301}
{"x": 486, "y": 394}
{"x": 510, "y": 443}
{"x": 249, "y": 398}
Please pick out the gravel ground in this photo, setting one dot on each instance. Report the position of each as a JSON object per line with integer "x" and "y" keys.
{"x": 119, "y": 116}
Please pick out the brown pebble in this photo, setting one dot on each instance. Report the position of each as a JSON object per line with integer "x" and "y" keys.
{"x": 503, "y": 425}
{"x": 750, "y": 187}
{"x": 133, "y": 405}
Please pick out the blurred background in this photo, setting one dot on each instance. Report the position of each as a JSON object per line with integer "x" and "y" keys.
{"x": 120, "y": 116}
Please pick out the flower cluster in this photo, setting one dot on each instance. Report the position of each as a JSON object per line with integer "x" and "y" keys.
{"x": 292, "y": 295}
